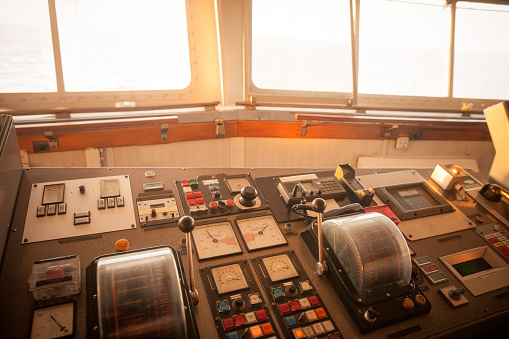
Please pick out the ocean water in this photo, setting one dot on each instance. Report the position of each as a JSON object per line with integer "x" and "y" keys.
{"x": 136, "y": 61}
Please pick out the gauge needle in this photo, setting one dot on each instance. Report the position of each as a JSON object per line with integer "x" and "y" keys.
{"x": 261, "y": 232}
{"x": 210, "y": 235}
{"x": 62, "y": 328}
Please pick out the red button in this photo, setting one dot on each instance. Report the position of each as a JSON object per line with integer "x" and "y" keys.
{"x": 185, "y": 182}
{"x": 191, "y": 202}
{"x": 229, "y": 202}
{"x": 228, "y": 323}
{"x": 295, "y": 305}
{"x": 213, "y": 205}
{"x": 200, "y": 201}
{"x": 314, "y": 301}
{"x": 189, "y": 196}
{"x": 334, "y": 336}
{"x": 493, "y": 240}
{"x": 240, "y": 320}
{"x": 261, "y": 315}
{"x": 503, "y": 248}
{"x": 198, "y": 194}
{"x": 284, "y": 308}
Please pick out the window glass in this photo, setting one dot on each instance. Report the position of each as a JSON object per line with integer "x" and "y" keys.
{"x": 301, "y": 45}
{"x": 111, "y": 45}
{"x": 404, "y": 47}
{"x": 26, "y": 52}
{"x": 481, "y": 54}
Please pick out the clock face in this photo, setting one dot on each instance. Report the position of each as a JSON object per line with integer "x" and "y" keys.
{"x": 53, "y": 322}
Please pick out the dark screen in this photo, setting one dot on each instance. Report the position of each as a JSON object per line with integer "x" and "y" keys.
{"x": 472, "y": 266}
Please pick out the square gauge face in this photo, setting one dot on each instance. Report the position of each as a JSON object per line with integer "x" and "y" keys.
{"x": 235, "y": 184}
{"x": 53, "y": 194}
{"x": 280, "y": 267}
{"x": 215, "y": 240}
{"x": 261, "y": 232}
{"x": 229, "y": 278}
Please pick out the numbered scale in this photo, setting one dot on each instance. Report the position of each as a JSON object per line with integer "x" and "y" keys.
{"x": 298, "y": 307}
{"x": 236, "y": 302}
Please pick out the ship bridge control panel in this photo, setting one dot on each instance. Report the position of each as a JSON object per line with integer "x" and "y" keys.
{"x": 255, "y": 253}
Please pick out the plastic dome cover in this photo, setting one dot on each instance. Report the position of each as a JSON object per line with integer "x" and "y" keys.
{"x": 372, "y": 251}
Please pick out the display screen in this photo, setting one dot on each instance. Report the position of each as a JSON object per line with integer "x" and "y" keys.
{"x": 472, "y": 266}
{"x": 308, "y": 185}
{"x": 413, "y": 198}
{"x": 139, "y": 296}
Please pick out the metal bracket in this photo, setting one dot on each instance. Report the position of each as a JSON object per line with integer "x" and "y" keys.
{"x": 53, "y": 142}
{"x": 164, "y": 132}
{"x": 304, "y": 128}
{"x": 219, "y": 128}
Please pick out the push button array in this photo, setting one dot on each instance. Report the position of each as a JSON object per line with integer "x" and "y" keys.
{"x": 52, "y": 209}
{"x": 195, "y": 201}
{"x": 500, "y": 242}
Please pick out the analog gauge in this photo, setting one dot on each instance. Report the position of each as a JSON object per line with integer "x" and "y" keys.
{"x": 229, "y": 278}
{"x": 215, "y": 240}
{"x": 53, "y": 194}
{"x": 53, "y": 322}
{"x": 235, "y": 184}
{"x": 110, "y": 188}
{"x": 261, "y": 232}
{"x": 279, "y": 267}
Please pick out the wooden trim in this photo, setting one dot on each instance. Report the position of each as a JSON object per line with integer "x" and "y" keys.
{"x": 138, "y": 135}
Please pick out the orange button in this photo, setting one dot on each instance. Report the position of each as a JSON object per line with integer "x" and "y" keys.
{"x": 256, "y": 331}
{"x": 267, "y": 328}
{"x": 122, "y": 244}
{"x": 320, "y": 312}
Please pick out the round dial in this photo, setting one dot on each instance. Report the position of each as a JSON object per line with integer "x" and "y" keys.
{"x": 53, "y": 322}
{"x": 261, "y": 232}
{"x": 229, "y": 278}
{"x": 279, "y": 267}
{"x": 236, "y": 184}
{"x": 215, "y": 240}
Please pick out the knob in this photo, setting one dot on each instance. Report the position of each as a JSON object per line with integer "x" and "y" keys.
{"x": 248, "y": 196}
{"x": 408, "y": 304}
{"x": 153, "y": 213}
{"x": 82, "y": 189}
{"x": 318, "y": 205}
{"x": 456, "y": 294}
{"x": 371, "y": 315}
{"x": 186, "y": 224}
{"x": 291, "y": 290}
{"x": 239, "y": 303}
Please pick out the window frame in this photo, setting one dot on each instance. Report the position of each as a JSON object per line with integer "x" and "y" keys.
{"x": 362, "y": 101}
{"x": 203, "y": 90}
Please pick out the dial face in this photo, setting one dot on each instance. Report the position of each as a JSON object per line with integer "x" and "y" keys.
{"x": 53, "y": 322}
{"x": 53, "y": 194}
{"x": 215, "y": 240}
{"x": 261, "y": 232}
{"x": 229, "y": 278}
{"x": 236, "y": 184}
{"x": 110, "y": 188}
{"x": 279, "y": 267}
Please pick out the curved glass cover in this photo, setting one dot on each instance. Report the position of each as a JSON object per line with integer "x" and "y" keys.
{"x": 139, "y": 295}
{"x": 372, "y": 251}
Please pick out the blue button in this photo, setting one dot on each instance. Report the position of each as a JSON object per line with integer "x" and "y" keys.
{"x": 233, "y": 335}
{"x": 291, "y": 321}
{"x": 278, "y": 292}
{"x": 223, "y": 306}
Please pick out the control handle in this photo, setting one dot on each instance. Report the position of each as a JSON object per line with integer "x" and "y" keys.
{"x": 186, "y": 225}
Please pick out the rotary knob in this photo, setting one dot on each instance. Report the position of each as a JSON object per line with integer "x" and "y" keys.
{"x": 248, "y": 196}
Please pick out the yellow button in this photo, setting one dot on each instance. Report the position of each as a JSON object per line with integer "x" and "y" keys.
{"x": 122, "y": 244}
{"x": 256, "y": 331}
{"x": 298, "y": 333}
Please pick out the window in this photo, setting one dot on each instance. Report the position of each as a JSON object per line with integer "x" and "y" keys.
{"x": 123, "y": 45}
{"x": 481, "y": 54}
{"x": 404, "y": 48}
{"x": 26, "y": 52}
{"x": 301, "y": 45}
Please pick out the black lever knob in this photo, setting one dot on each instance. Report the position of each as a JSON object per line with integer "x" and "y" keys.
{"x": 186, "y": 224}
{"x": 318, "y": 205}
{"x": 248, "y": 196}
